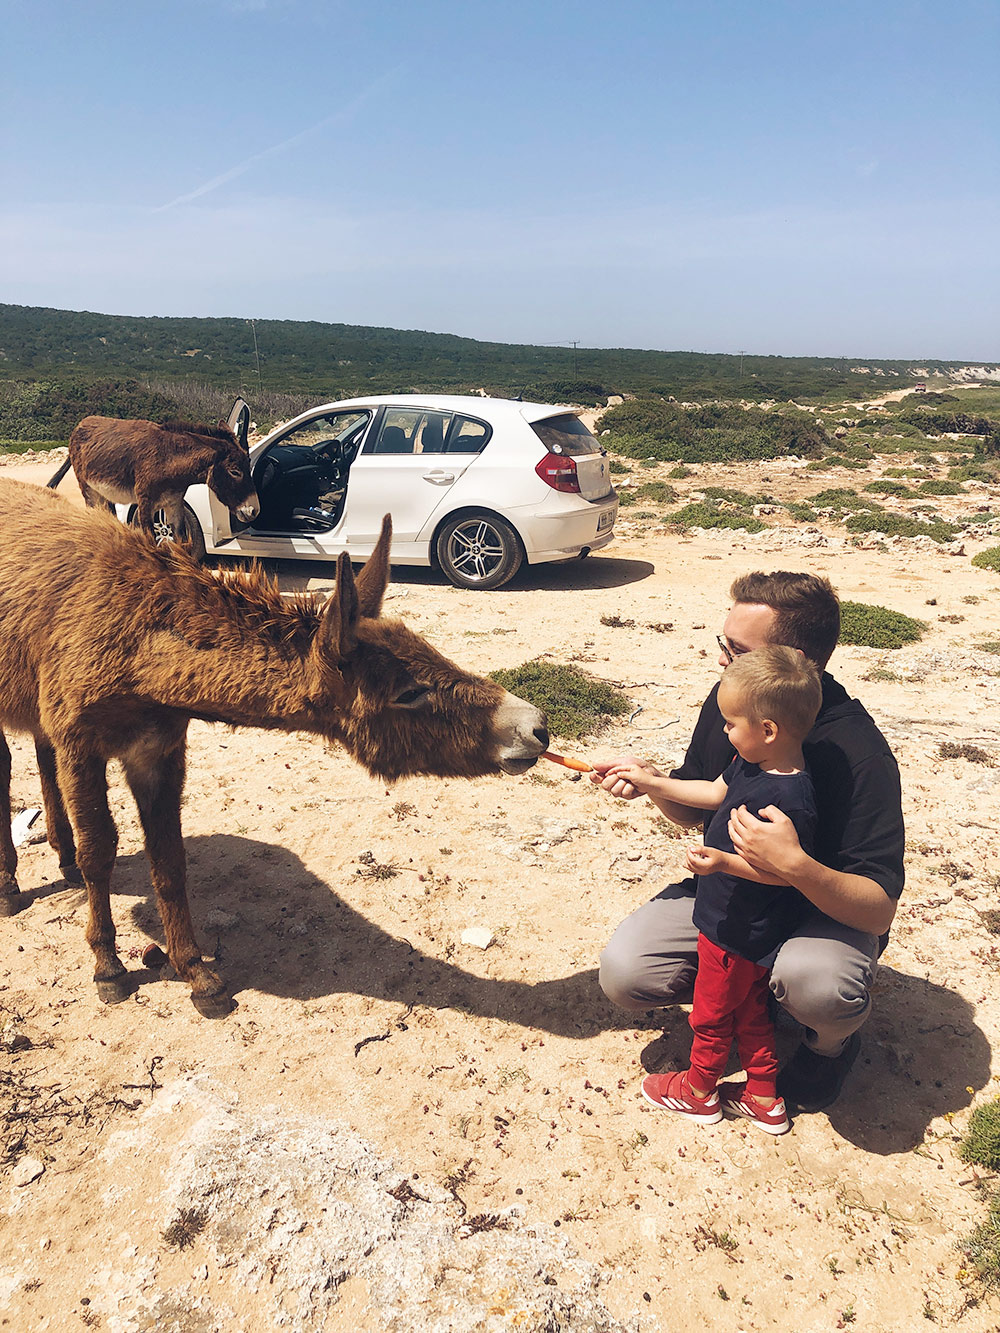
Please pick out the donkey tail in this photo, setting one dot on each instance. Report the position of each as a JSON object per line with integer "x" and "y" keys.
{"x": 57, "y": 477}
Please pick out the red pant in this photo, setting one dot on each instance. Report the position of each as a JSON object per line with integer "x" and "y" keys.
{"x": 730, "y": 1000}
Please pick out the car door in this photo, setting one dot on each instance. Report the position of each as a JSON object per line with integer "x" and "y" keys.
{"x": 403, "y": 469}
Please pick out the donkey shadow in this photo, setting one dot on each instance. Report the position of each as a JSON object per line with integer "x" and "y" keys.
{"x": 315, "y": 945}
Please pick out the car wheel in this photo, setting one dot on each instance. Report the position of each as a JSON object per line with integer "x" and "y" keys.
{"x": 479, "y": 551}
{"x": 191, "y": 534}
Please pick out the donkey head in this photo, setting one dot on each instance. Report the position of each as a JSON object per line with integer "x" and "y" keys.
{"x": 397, "y": 704}
{"x": 229, "y": 477}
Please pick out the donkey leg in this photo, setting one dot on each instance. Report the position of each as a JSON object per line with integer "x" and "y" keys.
{"x": 93, "y": 499}
{"x": 84, "y": 783}
{"x": 57, "y": 826}
{"x": 10, "y": 894}
{"x": 155, "y": 772}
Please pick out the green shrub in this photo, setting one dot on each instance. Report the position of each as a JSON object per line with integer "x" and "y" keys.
{"x": 679, "y": 473}
{"x": 803, "y": 513}
{"x": 23, "y": 446}
{"x": 982, "y": 1248}
{"x": 906, "y": 472}
{"x": 888, "y": 488}
{"x": 838, "y": 460}
{"x": 988, "y": 559}
{"x": 617, "y": 467}
{"x": 973, "y": 472}
{"x": 901, "y": 525}
{"x": 868, "y": 626}
{"x": 703, "y": 514}
{"x": 715, "y": 432}
{"x": 659, "y": 492}
{"x": 932, "y": 487}
{"x": 733, "y": 496}
{"x": 574, "y": 701}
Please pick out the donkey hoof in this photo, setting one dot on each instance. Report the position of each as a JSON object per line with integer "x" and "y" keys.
{"x": 213, "y": 1006}
{"x": 154, "y": 958}
{"x": 71, "y": 873}
{"x": 11, "y": 903}
{"x": 112, "y": 990}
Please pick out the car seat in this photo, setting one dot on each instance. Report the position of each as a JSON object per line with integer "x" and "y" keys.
{"x": 393, "y": 441}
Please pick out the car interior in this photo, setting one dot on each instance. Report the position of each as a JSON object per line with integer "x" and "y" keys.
{"x": 301, "y": 480}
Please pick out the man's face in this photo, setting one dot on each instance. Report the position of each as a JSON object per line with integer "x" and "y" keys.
{"x": 748, "y": 626}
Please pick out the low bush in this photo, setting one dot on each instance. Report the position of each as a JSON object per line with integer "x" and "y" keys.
{"x": 837, "y": 460}
{"x": 704, "y": 514}
{"x": 617, "y": 467}
{"x": 659, "y": 492}
{"x": 980, "y": 1146}
{"x": 932, "y": 487}
{"x": 988, "y": 559}
{"x": 901, "y": 525}
{"x": 889, "y": 488}
{"x": 575, "y": 702}
{"x": 866, "y": 626}
{"x": 715, "y": 432}
{"x": 974, "y": 472}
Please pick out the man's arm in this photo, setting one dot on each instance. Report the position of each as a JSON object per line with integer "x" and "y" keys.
{"x": 772, "y": 845}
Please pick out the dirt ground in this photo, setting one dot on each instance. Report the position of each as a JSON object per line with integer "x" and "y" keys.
{"x": 499, "y": 1081}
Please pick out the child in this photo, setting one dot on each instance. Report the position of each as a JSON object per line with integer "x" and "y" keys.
{"x": 769, "y": 699}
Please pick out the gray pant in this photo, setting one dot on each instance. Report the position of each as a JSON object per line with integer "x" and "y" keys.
{"x": 822, "y": 975}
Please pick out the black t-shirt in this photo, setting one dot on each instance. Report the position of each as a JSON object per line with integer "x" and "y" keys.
{"x": 859, "y": 829}
{"x": 740, "y": 915}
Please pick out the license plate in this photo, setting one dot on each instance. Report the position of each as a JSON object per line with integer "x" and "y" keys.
{"x": 605, "y": 520}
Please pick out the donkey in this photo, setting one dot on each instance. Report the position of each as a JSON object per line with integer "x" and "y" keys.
{"x": 117, "y": 462}
{"x": 110, "y": 644}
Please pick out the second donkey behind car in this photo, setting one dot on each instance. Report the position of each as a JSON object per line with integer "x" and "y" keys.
{"x": 134, "y": 461}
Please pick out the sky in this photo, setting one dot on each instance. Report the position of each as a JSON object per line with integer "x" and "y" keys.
{"x": 786, "y": 178}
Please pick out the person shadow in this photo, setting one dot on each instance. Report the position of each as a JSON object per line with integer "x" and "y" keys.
{"x": 276, "y": 927}
{"x": 922, "y": 1055}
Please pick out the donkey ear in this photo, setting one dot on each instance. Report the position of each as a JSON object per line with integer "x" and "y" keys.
{"x": 374, "y": 577}
{"x": 340, "y": 618}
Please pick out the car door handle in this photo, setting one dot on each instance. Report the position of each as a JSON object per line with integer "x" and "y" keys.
{"x": 439, "y": 477}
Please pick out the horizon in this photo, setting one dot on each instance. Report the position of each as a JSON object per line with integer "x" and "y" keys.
{"x": 782, "y": 182}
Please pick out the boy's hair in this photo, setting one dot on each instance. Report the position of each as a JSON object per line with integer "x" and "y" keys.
{"x": 778, "y": 684}
{"x": 807, "y": 610}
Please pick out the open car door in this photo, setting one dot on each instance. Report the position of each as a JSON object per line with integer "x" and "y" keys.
{"x": 224, "y": 524}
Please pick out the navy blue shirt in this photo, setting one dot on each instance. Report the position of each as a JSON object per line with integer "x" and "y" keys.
{"x": 740, "y": 915}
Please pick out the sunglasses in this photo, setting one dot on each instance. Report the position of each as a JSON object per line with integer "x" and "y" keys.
{"x": 730, "y": 656}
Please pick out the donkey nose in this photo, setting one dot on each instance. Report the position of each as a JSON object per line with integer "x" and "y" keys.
{"x": 541, "y": 735}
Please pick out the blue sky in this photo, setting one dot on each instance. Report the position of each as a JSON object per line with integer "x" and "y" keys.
{"x": 786, "y": 178}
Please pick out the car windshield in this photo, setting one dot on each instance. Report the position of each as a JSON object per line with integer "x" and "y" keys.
{"x": 565, "y": 434}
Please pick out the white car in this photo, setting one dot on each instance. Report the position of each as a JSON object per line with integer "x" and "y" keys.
{"x": 475, "y": 486}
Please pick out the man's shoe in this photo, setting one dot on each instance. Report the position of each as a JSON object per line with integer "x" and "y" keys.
{"x": 812, "y": 1082}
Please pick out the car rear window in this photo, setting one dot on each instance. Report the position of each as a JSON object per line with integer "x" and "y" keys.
{"x": 565, "y": 434}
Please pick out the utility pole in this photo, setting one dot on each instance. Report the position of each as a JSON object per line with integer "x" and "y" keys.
{"x": 253, "y": 326}
{"x": 741, "y": 355}
{"x": 576, "y": 343}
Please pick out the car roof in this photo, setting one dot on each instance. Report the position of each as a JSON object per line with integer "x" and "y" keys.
{"x": 493, "y": 410}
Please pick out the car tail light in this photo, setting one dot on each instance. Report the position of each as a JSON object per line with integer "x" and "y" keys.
{"x": 559, "y": 472}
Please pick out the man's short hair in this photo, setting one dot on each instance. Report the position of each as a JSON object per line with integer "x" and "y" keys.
{"x": 777, "y": 683}
{"x": 807, "y": 612}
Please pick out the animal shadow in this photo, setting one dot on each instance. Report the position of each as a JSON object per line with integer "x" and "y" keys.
{"x": 306, "y": 942}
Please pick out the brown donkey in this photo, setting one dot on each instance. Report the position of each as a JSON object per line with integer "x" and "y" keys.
{"x": 110, "y": 644}
{"x": 117, "y": 462}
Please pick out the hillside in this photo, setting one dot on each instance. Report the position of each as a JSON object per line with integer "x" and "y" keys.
{"x": 337, "y": 360}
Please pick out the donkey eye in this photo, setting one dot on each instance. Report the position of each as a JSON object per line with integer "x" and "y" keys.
{"x": 235, "y": 471}
{"x": 411, "y": 697}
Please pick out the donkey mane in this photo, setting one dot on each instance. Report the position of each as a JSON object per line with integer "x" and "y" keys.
{"x": 211, "y": 608}
{"x": 194, "y": 428}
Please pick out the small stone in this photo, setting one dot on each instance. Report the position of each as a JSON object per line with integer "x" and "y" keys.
{"x": 27, "y": 1170}
{"x": 478, "y": 936}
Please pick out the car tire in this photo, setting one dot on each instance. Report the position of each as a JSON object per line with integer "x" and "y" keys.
{"x": 479, "y": 550}
{"x": 192, "y": 535}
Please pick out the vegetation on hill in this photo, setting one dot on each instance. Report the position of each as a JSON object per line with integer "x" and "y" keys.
{"x": 651, "y": 428}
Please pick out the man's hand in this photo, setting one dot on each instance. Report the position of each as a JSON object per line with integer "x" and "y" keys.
{"x": 770, "y": 845}
{"x": 623, "y": 776}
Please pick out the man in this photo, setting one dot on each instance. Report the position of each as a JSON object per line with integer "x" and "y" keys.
{"x": 823, "y": 974}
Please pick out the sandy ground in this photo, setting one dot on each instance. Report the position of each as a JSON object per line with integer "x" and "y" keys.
{"x": 500, "y": 1081}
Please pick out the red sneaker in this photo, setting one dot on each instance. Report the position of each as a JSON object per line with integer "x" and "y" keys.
{"x": 771, "y": 1119}
{"x": 672, "y": 1092}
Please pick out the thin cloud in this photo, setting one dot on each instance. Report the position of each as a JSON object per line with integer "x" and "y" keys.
{"x": 242, "y": 167}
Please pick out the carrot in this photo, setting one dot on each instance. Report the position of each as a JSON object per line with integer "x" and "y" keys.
{"x": 578, "y": 765}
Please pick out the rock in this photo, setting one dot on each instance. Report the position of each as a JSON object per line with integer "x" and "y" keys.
{"x": 27, "y": 1170}
{"x": 480, "y": 937}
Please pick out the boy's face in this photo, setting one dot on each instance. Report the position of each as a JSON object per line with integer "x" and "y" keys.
{"x": 751, "y": 740}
